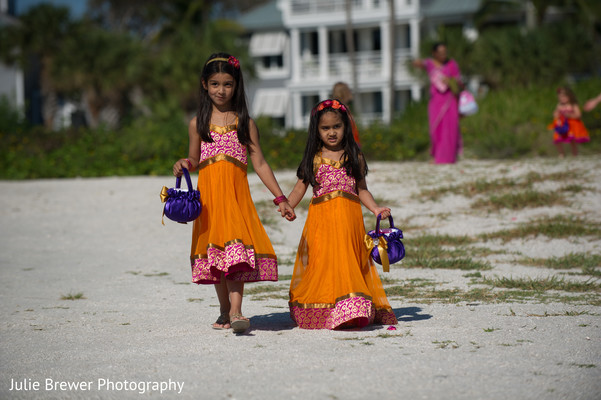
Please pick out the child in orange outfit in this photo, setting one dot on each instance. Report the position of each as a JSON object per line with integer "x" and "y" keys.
{"x": 335, "y": 283}
{"x": 567, "y": 125}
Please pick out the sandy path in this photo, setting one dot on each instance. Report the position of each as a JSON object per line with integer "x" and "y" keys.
{"x": 142, "y": 321}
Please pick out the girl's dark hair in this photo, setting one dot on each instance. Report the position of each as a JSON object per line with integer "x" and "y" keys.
{"x": 229, "y": 65}
{"x": 568, "y": 92}
{"x": 352, "y": 159}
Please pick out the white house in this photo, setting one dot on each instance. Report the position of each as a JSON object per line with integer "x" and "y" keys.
{"x": 299, "y": 48}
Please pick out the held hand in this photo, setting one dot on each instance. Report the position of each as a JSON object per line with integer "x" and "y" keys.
{"x": 286, "y": 211}
{"x": 178, "y": 167}
{"x": 384, "y": 212}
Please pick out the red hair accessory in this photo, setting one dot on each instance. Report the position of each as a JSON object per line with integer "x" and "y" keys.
{"x": 233, "y": 61}
{"x": 330, "y": 103}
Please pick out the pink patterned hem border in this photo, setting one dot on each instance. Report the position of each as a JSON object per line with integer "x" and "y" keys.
{"x": 572, "y": 140}
{"x": 357, "y": 309}
{"x": 237, "y": 262}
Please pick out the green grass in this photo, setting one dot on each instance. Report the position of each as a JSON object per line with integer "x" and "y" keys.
{"x": 446, "y": 344}
{"x": 501, "y": 290}
{"x": 462, "y": 263}
{"x": 157, "y": 274}
{"x": 584, "y": 365}
{"x": 194, "y": 300}
{"x": 586, "y": 262}
{"x": 520, "y": 200}
{"x": 432, "y": 241}
{"x": 443, "y": 252}
{"x": 543, "y": 284}
{"x": 388, "y": 281}
{"x": 555, "y": 227}
{"x": 575, "y": 188}
{"x": 73, "y": 296}
{"x": 564, "y": 314}
{"x": 500, "y": 185}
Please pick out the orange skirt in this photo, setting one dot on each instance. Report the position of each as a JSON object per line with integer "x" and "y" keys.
{"x": 577, "y": 132}
{"x": 228, "y": 236}
{"x": 334, "y": 281}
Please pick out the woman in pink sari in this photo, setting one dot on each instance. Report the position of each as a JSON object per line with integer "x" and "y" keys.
{"x": 443, "y": 109}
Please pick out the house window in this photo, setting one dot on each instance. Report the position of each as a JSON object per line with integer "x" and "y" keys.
{"x": 273, "y": 62}
{"x": 401, "y": 99}
{"x": 309, "y": 101}
{"x": 309, "y": 43}
{"x": 403, "y": 37}
{"x": 376, "y": 38}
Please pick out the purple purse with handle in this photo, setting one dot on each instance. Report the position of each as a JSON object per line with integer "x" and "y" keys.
{"x": 181, "y": 205}
{"x": 384, "y": 245}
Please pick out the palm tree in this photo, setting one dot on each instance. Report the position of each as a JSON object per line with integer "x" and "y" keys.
{"x": 102, "y": 68}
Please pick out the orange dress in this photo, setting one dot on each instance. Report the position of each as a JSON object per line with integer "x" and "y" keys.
{"x": 575, "y": 131}
{"x": 228, "y": 236}
{"x": 334, "y": 279}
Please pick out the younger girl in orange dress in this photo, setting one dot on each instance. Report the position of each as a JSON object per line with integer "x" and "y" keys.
{"x": 335, "y": 284}
{"x": 229, "y": 244}
{"x": 567, "y": 125}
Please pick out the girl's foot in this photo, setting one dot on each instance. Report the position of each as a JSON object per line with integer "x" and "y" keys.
{"x": 239, "y": 323}
{"x": 223, "y": 322}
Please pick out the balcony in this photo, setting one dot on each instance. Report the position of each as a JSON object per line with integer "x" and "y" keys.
{"x": 303, "y": 7}
{"x": 370, "y": 66}
{"x": 319, "y": 7}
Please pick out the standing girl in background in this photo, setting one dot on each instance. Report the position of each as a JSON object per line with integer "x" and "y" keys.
{"x": 229, "y": 244}
{"x": 443, "y": 107}
{"x": 567, "y": 125}
{"x": 335, "y": 284}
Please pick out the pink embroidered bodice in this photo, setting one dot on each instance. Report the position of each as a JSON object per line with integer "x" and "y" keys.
{"x": 331, "y": 176}
{"x": 225, "y": 142}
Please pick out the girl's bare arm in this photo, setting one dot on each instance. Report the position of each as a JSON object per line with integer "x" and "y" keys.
{"x": 298, "y": 192}
{"x": 193, "y": 151}
{"x": 264, "y": 171}
{"x": 368, "y": 200}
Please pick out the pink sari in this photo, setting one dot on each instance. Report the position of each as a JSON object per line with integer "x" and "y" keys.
{"x": 443, "y": 113}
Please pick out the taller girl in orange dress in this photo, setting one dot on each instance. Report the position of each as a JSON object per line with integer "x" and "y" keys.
{"x": 567, "y": 125}
{"x": 229, "y": 244}
{"x": 335, "y": 284}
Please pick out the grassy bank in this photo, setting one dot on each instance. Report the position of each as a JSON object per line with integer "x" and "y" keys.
{"x": 510, "y": 124}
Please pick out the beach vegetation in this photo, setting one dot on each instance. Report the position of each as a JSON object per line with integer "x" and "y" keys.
{"x": 73, "y": 296}
{"x": 555, "y": 227}
{"x": 520, "y": 200}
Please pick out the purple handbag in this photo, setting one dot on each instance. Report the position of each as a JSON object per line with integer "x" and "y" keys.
{"x": 384, "y": 245}
{"x": 562, "y": 126}
{"x": 181, "y": 205}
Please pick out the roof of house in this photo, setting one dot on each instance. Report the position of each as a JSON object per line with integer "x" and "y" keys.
{"x": 439, "y": 8}
{"x": 264, "y": 17}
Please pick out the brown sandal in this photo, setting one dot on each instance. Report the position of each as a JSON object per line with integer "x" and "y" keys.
{"x": 239, "y": 323}
{"x": 222, "y": 321}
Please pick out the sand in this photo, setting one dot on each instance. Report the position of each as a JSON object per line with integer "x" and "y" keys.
{"x": 143, "y": 330}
